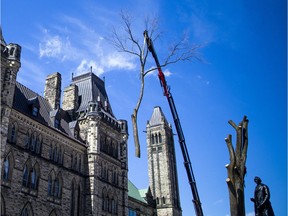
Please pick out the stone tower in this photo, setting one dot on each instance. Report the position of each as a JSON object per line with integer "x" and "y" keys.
{"x": 106, "y": 141}
{"x": 162, "y": 165}
{"x": 10, "y": 65}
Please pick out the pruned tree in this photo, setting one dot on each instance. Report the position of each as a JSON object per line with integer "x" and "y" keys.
{"x": 237, "y": 168}
{"x": 128, "y": 42}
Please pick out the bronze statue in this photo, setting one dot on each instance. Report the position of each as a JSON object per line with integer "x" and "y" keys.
{"x": 261, "y": 199}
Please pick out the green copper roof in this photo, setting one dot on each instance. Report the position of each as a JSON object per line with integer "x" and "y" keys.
{"x": 135, "y": 193}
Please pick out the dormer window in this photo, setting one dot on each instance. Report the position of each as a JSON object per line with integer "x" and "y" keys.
{"x": 35, "y": 111}
{"x": 57, "y": 123}
{"x": 34, "y": 106}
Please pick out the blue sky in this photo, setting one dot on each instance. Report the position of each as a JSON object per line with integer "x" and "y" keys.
{"x": 243, "y": 72}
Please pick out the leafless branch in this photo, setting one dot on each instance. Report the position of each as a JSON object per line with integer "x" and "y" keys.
{"x": 131, "y": 44}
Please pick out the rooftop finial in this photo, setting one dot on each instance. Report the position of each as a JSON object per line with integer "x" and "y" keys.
{"x": 91, "y": 69}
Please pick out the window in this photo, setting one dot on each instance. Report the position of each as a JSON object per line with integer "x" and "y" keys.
{"x": 104, "y": 200}
{"x": 79, "y": 201}
{"x": 51, "y": 152}
{"x": 72, "y": 198}
{"x": 30, "y": 176}
{"x": 27, "y": 140}
{"x": 35, "y": 111}
{"x": 50, "y": 189}
{"x": 34, "y": 178}
{"x": 25, "y": 178}
{"x": 27, "y": 210}
{"x": 13, "y": 134}
{"x": 79, "y": 164}
{"x": 163, "y": 200}
{"x": 38, "y": 145}
{"x": 6, "y": 169}
{"x": 160, "y": 138}
{"x": 55, "y": 154}
{"x": 132, "y": 212}
{"x": 57, "y": 186}
{"x": 57, "y": 123}
{"x": 33, "y": 142}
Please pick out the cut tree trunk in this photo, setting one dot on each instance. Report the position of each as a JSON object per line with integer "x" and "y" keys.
{"x": 236, "y": 169}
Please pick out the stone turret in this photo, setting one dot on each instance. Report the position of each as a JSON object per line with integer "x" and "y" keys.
{"x": 10, "y": 65}
{"x": 52, "y": 92}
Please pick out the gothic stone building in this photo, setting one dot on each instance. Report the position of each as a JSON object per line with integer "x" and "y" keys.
{"x": 72, "y": 159}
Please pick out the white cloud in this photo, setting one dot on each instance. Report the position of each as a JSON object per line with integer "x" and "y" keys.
{"x": 167, "y": 73}
{"x": 50, "y": 47}
{"x": 86, "y": 65}
{"x": 119, "y": 61}
{"x": 86, "y": 48}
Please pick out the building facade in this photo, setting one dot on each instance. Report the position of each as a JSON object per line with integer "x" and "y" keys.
{"x": 71, "y": 158}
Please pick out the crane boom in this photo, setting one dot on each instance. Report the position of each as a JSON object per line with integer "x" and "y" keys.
{"x": 167, "y": 93}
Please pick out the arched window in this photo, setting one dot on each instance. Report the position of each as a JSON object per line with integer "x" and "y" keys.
{"x": 156, "y": 138}
{"x": 50, "y": 185}
{"x": 75, "y": 162}
{"x": 34, "y": 177}
{"x": 163, "y": 200}
{"x": 114, "y": 203}
{"x": 102, "y": 140}
{"x": 27, "y": 210}
{"x": 51, "y": 152}
{"x": 104, "y": 194}
{"x": 33, "y": 142}
{"x": 59, "y": 155}
{"x": 79, "y": 164}
{"x": 27, "y": 140}
{"x": 25, "y": 178}
{"x": 6, "y": 169}
{"x": 160, "y": 138}
{"x": 12, "y": 133}
{"x": 79, "y": 201}
{"x": 58, "y": 186}
{"x": 55, "y": 153}
{"x": 152, "y": 139}
{"x": 39, "y": 144}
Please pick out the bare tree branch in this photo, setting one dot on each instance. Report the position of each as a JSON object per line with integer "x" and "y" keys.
{"x": 131, "y": 44}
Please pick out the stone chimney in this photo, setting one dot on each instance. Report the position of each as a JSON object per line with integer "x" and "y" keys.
{"x": 52, "y": 92}
{"x": 70, "y": 98}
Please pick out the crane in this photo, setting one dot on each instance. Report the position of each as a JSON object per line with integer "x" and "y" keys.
{"x": 167, "y": 93}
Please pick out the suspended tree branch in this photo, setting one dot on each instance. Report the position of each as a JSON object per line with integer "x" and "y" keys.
{"x": 129, "y": 43}
{"x": 236, "y": 169}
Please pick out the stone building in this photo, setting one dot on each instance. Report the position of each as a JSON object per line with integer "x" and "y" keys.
{"x": 71, "y": 158}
